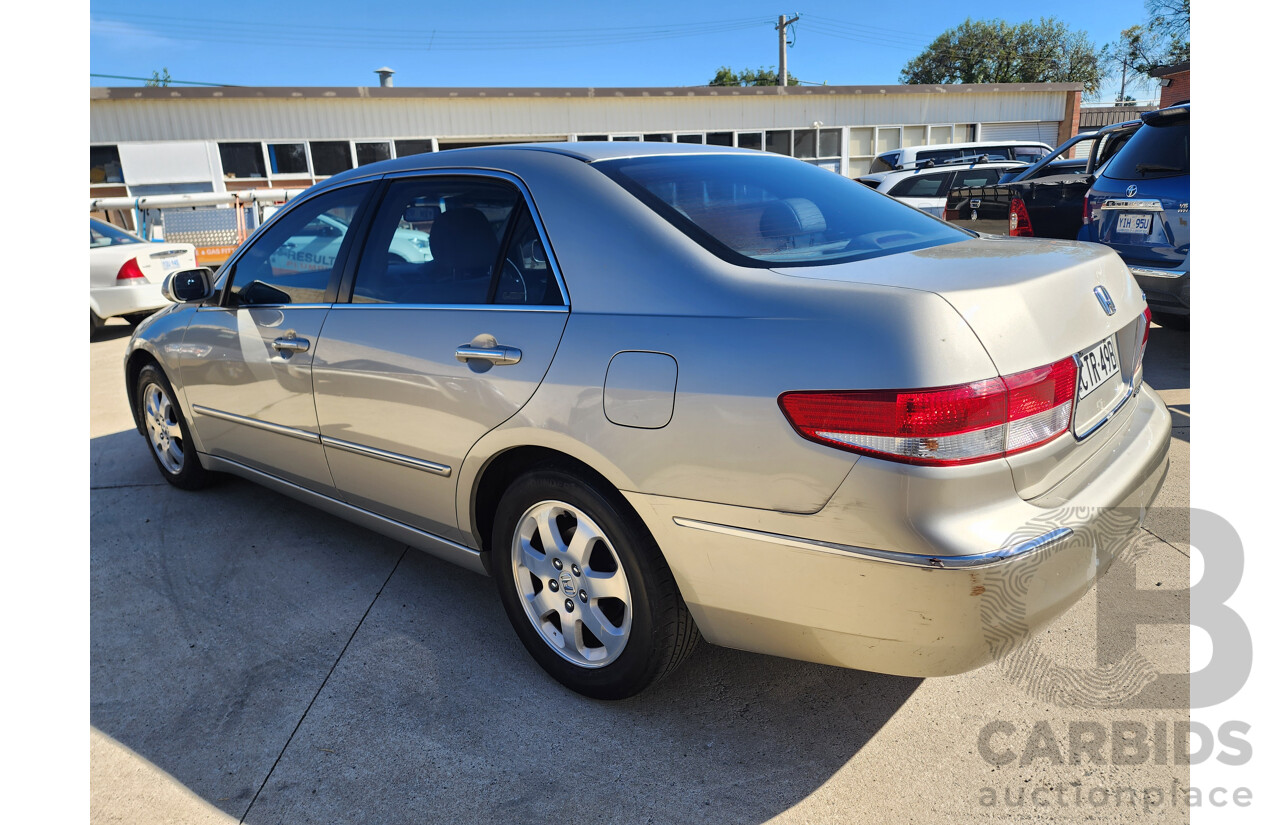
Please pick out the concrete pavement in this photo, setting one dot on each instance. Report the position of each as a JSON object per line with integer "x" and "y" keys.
{"x": 256, "y": 660}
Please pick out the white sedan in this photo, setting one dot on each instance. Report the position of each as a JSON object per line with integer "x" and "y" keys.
{"x": 126, "y": 272}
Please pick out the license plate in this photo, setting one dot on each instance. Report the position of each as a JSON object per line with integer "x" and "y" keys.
{"x": 1134, "y": 223}
{"x": 170, "y": 263}
{"x": 1096, "y": 366}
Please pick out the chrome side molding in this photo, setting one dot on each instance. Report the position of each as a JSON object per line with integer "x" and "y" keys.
{"x": 393, "y": 458}
{"x": 909, "y": 559}
{"x": 278, "y": 429}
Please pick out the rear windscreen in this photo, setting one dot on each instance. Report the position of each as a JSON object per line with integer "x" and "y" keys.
{"x": 1156, "y": 150}
{"x": 757, "y": 210}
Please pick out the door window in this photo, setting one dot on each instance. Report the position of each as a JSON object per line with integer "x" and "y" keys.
{"x": 436, "y": 241}
{"x": 298, "y": 258}
{"x": 921, "y": 186}
{"x": 977, "y": 177}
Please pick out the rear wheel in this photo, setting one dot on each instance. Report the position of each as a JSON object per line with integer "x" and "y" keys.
{"x": 585, "y": 586}
{"x": 167, "y": 432}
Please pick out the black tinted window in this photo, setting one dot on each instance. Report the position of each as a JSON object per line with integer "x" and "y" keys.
{"x": 242, "y": 160}
{"x": 294, "y": 261}
{"x": 884, "y": 163}
{"x": 329, "y": 157}
{"x": 1154, "y": 151}
{"x": 435, "y": 240}
{"x": 921, "y": 186}
{"x": 758, "y": 210}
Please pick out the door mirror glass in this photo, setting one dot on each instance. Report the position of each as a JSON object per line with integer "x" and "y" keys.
{"x": 189, "y": 286}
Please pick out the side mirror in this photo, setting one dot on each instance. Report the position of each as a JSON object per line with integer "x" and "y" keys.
{"x": 188, "y": 286}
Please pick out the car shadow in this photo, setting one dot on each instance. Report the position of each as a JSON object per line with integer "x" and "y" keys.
{"x": 1166, "y": 367}
{"x": 238, "y": 635}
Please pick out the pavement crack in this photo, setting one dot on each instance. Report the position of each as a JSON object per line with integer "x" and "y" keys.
{"x": 1162, "y": 540}
{"x": 324, "y": 682}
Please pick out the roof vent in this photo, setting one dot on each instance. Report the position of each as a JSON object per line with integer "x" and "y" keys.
{"x": 384, "y": 77}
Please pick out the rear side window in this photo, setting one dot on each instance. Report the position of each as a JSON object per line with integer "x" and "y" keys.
{"x": 764, "y": 211}
{"x": 921, "y": 186}
{"x": 977, "y": 177}
{"x": 1154, "y": 151}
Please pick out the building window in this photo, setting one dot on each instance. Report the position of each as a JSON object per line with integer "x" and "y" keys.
{"x": 593, "y": 137}
{"x": 242, "y": 160}
{"x": 658, "y": 137}
{"x": 367, "y": 153}
{"x": 329, "y": 157}
{"x": 104, "y": 165}
{"x": 719, "y": 138}
{"x": 751, "y": 140}
{"x": 778, "y": 141}
{"x": 689, "y": 138}
{"x": 405, "y": 148}
{"x": 287, "y": 158}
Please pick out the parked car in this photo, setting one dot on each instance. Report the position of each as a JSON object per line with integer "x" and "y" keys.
{"x": 125, "y": 273}
{"x": 1140, "y": 206}
{"x": 664, "y": 391}
{"x": 909, "y": 157}
{"x": 1044, "y": 200}
{"x": 926, "y": 188}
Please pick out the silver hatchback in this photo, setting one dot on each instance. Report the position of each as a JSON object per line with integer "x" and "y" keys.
{"x": 662, "y": 392}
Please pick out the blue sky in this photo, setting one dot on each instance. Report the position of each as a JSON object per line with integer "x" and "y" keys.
{"x": 508, "y": 43}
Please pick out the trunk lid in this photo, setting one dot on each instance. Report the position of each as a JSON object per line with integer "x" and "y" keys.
{"x": 1032, "y": 302}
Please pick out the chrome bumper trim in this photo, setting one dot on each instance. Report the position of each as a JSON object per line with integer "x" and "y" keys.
{"x": 1158, "y": 273}
{"x": 392, "y": 458}
{"x": 889, "y": 556}
{"x": 278, "y": 429}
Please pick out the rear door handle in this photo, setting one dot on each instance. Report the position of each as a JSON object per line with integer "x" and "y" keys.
{"x": 497, "y": 356}
{"x": 291, "y": 344}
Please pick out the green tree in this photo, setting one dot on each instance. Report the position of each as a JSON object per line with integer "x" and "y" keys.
{"x": 993, "y": 51}
{"x": 749, "y": 77}
{"x": 158, "y": 79}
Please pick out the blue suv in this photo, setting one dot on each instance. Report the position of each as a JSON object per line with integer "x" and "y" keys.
{"x": 1140, "y": 206}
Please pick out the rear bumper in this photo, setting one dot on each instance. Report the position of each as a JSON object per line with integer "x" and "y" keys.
{"x": 1167, "y": 290}
{"x": 111, "y": 301}
{"x": 781, "y": 584}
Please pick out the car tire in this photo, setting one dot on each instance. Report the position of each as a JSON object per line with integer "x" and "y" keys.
{"x": 1182, "y": 322}
{"x": 167, "y": 432}
{"x": 632, "y": 631}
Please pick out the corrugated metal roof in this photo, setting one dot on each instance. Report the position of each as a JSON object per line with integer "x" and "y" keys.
{"x": 1097, "y": 117}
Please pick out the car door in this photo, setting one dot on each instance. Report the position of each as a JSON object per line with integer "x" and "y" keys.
{"x": 420, "y": 359}
{"x": 246, "y": 358}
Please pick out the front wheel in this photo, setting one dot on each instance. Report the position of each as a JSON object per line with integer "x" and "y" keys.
{"x": 167, "y": 432}
{"x": 585, "y": 586}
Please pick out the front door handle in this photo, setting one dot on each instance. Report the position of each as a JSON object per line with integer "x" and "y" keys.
{"x": 291, "y": 344}
{"x": 495, "y": 355}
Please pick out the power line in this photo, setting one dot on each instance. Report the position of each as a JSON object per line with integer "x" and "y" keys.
{"x": 166, "y": 81}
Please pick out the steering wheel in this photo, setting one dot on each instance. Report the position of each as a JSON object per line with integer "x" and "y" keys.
{"x": 509, "y": 281}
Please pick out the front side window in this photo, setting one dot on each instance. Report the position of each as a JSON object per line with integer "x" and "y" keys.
{"x": 435, "y": 240}
{"x": 297, "y": 259}
{"x": 759, "y": 210}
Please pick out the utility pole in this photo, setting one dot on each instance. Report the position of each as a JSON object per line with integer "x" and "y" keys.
{"x": 783, "y": 22}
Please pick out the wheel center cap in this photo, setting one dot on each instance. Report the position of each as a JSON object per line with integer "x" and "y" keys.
{"x": 566, "y": 583}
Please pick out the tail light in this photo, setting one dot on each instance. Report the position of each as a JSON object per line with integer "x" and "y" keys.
{"x": 1019, "y": 219}
{"x": 942, "y": 426}
{"x": 1142, "y": 348}
{"x": 129, "y": 271}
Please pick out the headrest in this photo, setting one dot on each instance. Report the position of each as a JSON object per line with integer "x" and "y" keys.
{"x": 791, "y": 216}
{"x": 461, "y": 238}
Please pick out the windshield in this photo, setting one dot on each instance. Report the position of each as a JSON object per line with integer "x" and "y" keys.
{"x": 104, "y": 234}
{"x": 759, "y": 210}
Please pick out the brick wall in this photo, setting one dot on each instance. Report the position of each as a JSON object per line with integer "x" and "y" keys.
{"x": 1179, "y": 89}
{"x": 1070, "y": 123}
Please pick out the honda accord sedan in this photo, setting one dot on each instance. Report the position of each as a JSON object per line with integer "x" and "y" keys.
{"x": 663, "y": 393}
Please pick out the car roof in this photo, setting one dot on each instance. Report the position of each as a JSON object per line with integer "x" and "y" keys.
{"x": 970, "y": 145}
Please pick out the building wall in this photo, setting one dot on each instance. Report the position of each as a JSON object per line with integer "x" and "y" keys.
{"x": 1178, "y": 90}
{"x": 137, "y": 123}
